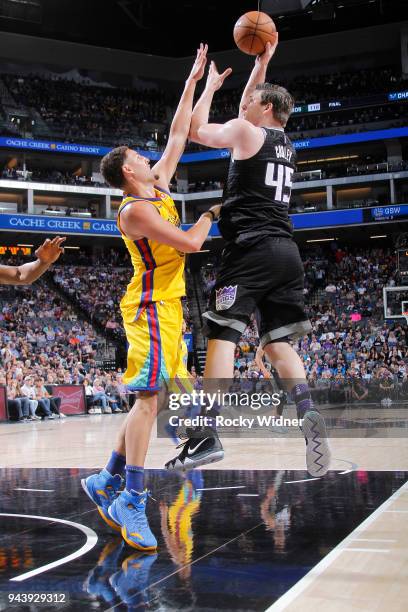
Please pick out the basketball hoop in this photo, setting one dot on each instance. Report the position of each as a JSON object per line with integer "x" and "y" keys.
{"x": 405, "y": 310}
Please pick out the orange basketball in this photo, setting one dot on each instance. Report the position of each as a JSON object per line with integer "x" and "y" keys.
{"x": 252, "y": 31}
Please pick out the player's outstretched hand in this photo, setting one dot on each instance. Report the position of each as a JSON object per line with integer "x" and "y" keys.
{"x": 197, "y": 71}
{"x": 51, "y": 249}
{"x": 215, "y": 79}
{"x": 267, "y": 55}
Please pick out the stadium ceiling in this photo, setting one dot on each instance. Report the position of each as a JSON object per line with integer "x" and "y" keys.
{"x": 174, "y": 29}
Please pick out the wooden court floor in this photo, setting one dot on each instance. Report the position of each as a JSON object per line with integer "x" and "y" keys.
{"x": 368, "y": 570}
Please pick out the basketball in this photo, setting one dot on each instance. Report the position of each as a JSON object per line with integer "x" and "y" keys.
{"x": 252, "y": 31}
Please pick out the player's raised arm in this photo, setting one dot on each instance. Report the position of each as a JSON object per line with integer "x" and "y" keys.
{"x": 26, "y": 274}
{"x": 166, "y": 166}
{"x": 258, "y": 74}
{"x": 143, "y": 220}
{"x": 228, "y": 135}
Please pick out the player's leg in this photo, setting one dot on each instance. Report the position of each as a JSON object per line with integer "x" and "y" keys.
{"x": 203, "y": 445}
{"x": 143, "y": 373}
{"x": 128, "y": 510}
{"x": 231, "y": 304}
{"x": 164, "y": 324}
{"x": 282, "y": 316}
{"x": 290, "y": 370}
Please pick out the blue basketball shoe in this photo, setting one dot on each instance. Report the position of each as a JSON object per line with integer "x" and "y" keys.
{"x": 102, "y": 489}
{"x": 132, "y": 581}
{"x": 97, "y": 582}
{"x": 128, "y": 512}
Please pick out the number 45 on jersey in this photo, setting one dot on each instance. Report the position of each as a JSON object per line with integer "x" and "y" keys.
{"x": 279, "y": 176}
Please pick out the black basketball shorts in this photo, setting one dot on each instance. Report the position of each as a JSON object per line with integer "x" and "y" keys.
{"x": 267, "y": 276}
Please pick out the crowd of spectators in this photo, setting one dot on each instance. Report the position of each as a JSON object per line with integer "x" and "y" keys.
{"x": 49, "y": 176}
{"x": 97, "y": 290}
{"x": 351, "y": 353}
{"x": 113, "y": 115}
{"x": 319, "y": 87}
{"x": 346, "y": 122}
{"x": 314, "y": 125}
{"x": 77, "y": 112}
{"x": 44, "y": 342}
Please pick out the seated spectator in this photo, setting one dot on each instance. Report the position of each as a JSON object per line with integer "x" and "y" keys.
{"x": 89, "y": 398}
{"x": 17, "y": 404}
{"x": 28, "y": 391}
{"x": 99, "y": 395}
{"x": 359, "y": 391}
{"x": 42, "y": 395}
{"x": 55, "y": 402}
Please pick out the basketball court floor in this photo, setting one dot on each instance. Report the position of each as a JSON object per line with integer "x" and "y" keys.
{"x": 254, "y": 532}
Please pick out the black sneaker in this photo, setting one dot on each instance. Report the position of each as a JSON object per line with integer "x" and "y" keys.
{"x": 199, "y": 450}
{"x": 318, "y": 452}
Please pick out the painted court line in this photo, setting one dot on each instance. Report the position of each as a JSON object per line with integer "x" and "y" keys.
{"x": 91, "y": 540}
{"x": 299, "y": 587}
{"x": 375, "y": 550}
{"x": 40, "y": 490}
{"x": 303, "y": 480}
{"x": 247, "y": 494}
{"x": 372, "y": 540}
{"x": 221, "y": 488}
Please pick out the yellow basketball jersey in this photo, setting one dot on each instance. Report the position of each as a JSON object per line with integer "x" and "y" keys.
{"x": 158, "y": 268}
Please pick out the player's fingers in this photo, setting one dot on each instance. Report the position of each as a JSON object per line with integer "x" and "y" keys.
{"x": 226, "y": 73}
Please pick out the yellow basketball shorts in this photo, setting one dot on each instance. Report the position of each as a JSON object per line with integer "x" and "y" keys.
{"x": 154, "y": 347}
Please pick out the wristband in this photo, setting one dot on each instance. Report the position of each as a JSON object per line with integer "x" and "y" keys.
{"x": 211, "y": 213}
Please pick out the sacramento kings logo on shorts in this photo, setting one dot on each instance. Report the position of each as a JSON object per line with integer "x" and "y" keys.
{"x": 225, "y": 297}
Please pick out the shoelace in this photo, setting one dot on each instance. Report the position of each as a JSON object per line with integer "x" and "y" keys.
{"x": 148, "y": 495}
{"x": 142, "y": 519}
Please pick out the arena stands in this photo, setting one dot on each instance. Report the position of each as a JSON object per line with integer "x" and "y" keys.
{"x": 351, "y": 353}
{"x": 90, "y": 113}
{"x": 312, "y": 88}
{"x": 43, "y": 339}
{"x": 110, "y": 115}
{"x": 97, "y": 290}
{"x": 351, "y": 350}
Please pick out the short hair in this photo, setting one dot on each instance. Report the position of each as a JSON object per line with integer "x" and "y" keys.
{"x": 280, "y": 98}
{"x": 111, "y": 166}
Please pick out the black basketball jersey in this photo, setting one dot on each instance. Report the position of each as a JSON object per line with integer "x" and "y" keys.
{"x": 257, "y": 192}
